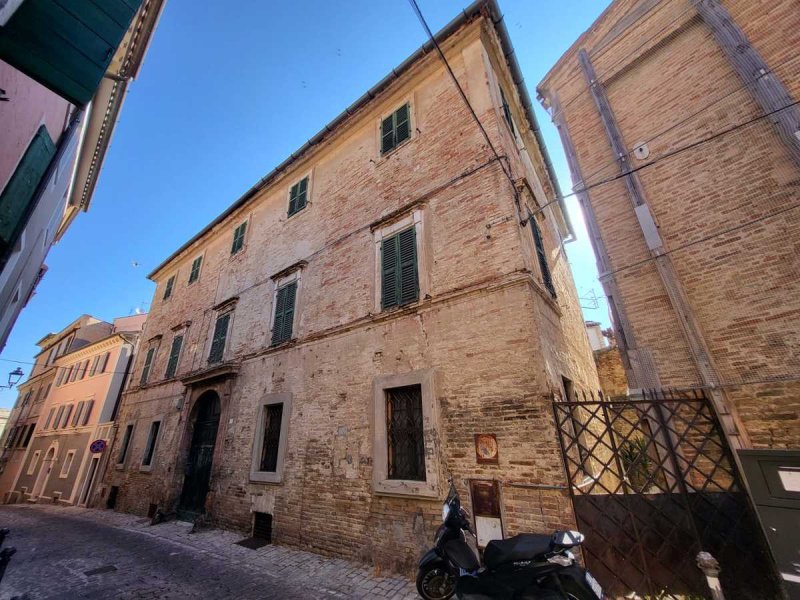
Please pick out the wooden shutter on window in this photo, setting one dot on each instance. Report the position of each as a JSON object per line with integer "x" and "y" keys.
{"x": 547, "y": 278}
{"x": 218, "y": 341}
{"x": 168, "y": 289}
{"x": 194, "y": 275}
{"x": 67, "y": 415}
{"x": 387, "y": 134}
{"x": 148, "y": 362}
{"x": 87, "y": 411}
{"x": 298, "y": 196}
{"x": 284, "y": 313}
{"x": 77, "y": 416}
{"x": 49, "y": 418}
{"x": 399, "y": 278}
{"x": 93, "y": 370}
{"x": 174, "y": 354}
{"x": 20, "y": 191}
{"x": 402, "y": 125}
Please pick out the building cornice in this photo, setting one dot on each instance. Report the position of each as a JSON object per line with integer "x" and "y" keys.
{"x": 105, "y": 343}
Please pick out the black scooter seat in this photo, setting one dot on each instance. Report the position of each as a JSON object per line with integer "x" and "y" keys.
{"x": 526, "y": 546}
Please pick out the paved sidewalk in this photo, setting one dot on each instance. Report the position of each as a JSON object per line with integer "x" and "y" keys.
{"x": 68, "y": 552}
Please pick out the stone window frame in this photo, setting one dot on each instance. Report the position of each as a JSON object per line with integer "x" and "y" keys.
{"x": 34, "y": 462}
{"x": 148, "y": 468}
{"x": 415, "y": 217}
{"x": 284, "y": 398}
{"x": 66, "y": 467}
{"x": 381, "y": 484}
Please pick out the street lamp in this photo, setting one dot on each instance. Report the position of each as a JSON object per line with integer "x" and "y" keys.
{"x": 13, "y": 378}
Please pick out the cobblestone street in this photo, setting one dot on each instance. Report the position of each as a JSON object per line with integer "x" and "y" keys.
{"x": 80, "y": 553}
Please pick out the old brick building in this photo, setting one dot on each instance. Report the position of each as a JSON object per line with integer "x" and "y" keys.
{"x": 322, "y": 355}
{"x": 680, "y": 123}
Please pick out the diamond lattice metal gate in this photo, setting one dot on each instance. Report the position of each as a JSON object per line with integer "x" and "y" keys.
{"x": 653, "y": 483}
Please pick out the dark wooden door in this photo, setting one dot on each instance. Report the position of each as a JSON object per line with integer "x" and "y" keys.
{"x": 201, "y": 457}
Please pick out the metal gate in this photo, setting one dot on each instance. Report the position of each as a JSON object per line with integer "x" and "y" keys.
{"x": 653, "y": 483}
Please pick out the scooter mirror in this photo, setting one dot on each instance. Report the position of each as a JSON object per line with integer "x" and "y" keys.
{"x": 568, "y": 539}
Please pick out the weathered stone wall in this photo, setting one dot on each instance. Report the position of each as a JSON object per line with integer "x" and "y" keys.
{"x": 724, "y": 208}
{"x": 495, "y": 340}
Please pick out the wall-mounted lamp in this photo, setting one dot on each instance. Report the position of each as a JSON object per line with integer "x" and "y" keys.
{"x": 13, "y": 378}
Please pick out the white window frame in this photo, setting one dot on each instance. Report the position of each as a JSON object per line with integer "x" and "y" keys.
{"x": 416, "y": 218}
{"x": 67, "y": 466}
{"x": 381, "y": 484}
{"x": 284, "y": 398}
{"x": 34, "y": 463}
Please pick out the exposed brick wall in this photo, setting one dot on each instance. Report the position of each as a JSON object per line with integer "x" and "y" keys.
{"x": 495, "y": 339}
{"x": 611, "y": 372}
{"x": 743, "y": 286}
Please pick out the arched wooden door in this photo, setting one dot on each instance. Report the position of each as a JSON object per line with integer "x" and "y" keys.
{"x": 201, "y": 456}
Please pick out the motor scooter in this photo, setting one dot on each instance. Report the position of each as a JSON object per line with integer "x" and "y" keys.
{"x": 523, "y": 567}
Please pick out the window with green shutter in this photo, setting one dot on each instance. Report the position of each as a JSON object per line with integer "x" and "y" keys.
{"x": 174, "y": 355}
{"x": 220, "y": 336}
{"x": 298, "y": 196}
{"x": 238, "y": 238}
{"x": 148, "y": 363}
{"x": 547, "y": 278}
{"x": 395, "y": 128}
{"x": 284, "y": 314}
{"x": 20, "y": 191}
{"x": 194, "y": 274}
{"x": 399, "y": 278}
{"x": 168, "y": 289}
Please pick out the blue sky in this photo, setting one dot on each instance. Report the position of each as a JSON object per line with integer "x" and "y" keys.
{"x": 223, "y": 97}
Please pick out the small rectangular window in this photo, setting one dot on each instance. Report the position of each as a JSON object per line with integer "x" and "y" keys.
{"x": 150, "y": 448}
{"x": 547, "y": 278}
{"x": 194, "y": 274}
{"x": 238, "y": 238}
{"x": 148, "y": 362}
{"x": 405, "y": 433}
{"x": 67, "y": 464}
{"x": 399, "y": 277}
{"x": 33, "y": 463}
{"x": 174, "y": 356}
{"x": 126, "y": 441}
{"x": 168, "y": 288}
{"x": 220, "y": 336}
{"x": 507, "y": 112}
{"x": 298, "y": 195}
{"x": 395, "y": 129}
{"x": 273, "y": 416}
{"x": 284, "y": 313}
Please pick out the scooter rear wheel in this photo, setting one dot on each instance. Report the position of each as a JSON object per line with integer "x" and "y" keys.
{"x": 435, "y": 583}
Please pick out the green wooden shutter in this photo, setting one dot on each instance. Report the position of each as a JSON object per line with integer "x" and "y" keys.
{"x": 402, "y": 126}
{"x": 389, "y": 272}
{"x": 387, "y": 134}
{"x": 284, "y": 313}
{"x": 407, "y": 259}
{"x": 148, "y": 361}
{"x": 293, "y": 199}
{"x": 174, "y": 354}
{"x": 544, "y": 267}
{"x": 238, "y": 238}
{"x": 302, "y": 193}
{"x": 220, "y": 336}
{"x": 168, "y": 289}
{"x": 195, "y": 272}
{"x": 19, "y": 193}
